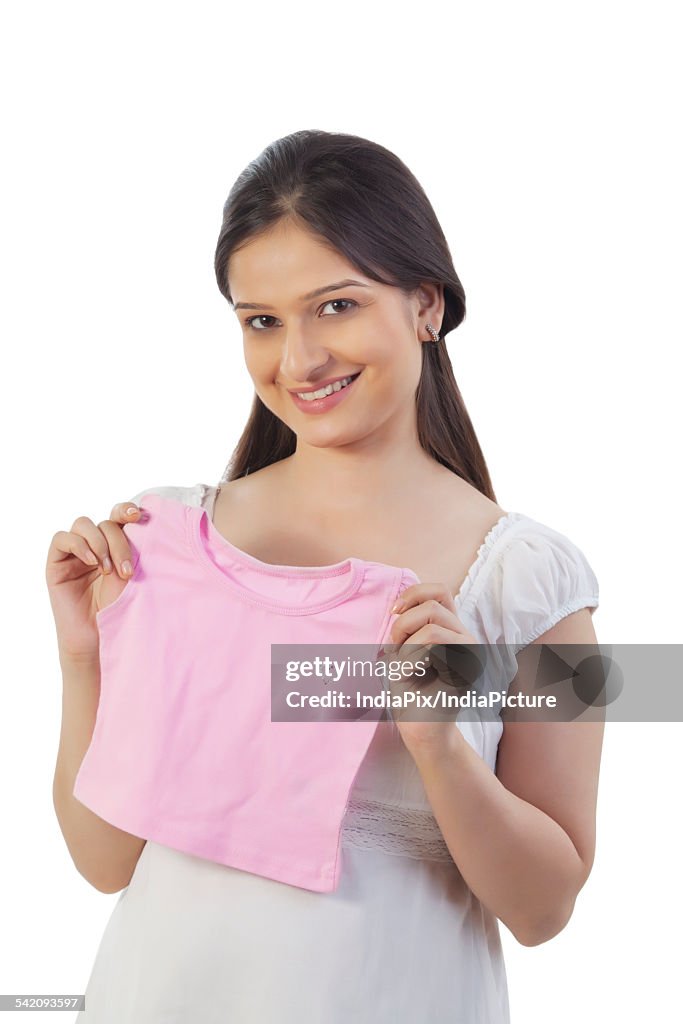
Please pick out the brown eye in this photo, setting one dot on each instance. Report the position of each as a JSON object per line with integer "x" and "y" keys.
{"x": 250, "y": 321}
{"x": 349, "y": 302}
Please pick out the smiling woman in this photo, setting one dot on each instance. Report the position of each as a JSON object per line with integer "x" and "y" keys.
{"x": 303, "y": 345}
{"x": 358, "y": 457}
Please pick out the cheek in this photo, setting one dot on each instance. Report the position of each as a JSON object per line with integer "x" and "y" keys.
{"x": 259, "y": 362}
{"x": 393, "y": 366}
{"x": 394, "y": 389}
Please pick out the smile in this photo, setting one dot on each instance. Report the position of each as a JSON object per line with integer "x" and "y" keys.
{"x": 327, "y": 398}
{"x": 310, "y": 396}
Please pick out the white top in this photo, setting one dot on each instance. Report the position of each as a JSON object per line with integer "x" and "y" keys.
{"x": 403, "y": 938}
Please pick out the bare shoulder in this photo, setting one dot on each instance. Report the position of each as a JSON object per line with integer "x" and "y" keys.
{"x": 263, "y": 485}
{"x": 462, "y": 506}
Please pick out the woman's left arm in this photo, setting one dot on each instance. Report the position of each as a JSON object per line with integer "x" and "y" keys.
{"x": 523, "y": 838}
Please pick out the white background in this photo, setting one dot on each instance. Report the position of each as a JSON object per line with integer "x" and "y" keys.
{"x": 548, "y": 139}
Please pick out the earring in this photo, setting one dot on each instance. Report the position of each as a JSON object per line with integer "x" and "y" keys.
{"x": 434, "y": 334}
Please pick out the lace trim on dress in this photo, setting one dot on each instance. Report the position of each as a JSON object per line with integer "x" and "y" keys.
{"x": 402, "y": 831}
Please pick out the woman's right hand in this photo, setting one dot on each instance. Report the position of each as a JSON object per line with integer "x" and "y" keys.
{"x": 87, "y": 568}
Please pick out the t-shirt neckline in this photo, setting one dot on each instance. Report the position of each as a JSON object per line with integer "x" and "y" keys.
{"x": 204, "y": 536}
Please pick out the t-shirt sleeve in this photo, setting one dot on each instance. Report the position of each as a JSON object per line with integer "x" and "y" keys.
{"x": 539, "y": 577}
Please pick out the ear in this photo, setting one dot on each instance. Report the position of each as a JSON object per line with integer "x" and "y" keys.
{"x": 431, "y": 307}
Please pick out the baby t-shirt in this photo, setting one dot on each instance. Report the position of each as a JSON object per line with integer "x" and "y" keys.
{"x": 184, "y": 751}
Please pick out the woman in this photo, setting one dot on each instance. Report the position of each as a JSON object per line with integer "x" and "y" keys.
{"x": 334, "y": 262}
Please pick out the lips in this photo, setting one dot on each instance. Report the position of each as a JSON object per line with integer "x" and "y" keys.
{"x": 319, "y": 387}
{"x": 327, "y": 402}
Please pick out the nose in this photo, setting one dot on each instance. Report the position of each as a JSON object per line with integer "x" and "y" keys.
{"x": 302, "y": 356}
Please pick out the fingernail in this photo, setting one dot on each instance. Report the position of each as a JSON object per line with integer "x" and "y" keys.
{"x": 127, "y": 567}
{"x": 397, "y": 607}
{"x": 131, "y": 511}
{"x": 106, "y": 563}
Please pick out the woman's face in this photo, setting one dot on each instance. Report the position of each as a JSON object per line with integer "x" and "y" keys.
{"x": 294, "y": 342}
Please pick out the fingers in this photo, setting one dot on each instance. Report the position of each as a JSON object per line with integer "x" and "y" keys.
{"x": 65, "y": 543}
{"x": 430, "y": 612}
{"x": 113, "y": 550}
{"x": 125, "y": 512}
{"x": 422, "y": 592}
{"x": 118, "y": 548}
{"x": 98, "y": 542}
{"x": 104, "y": 545}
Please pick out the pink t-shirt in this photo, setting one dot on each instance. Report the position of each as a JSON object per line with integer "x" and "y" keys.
{"x": 184, "y": 751}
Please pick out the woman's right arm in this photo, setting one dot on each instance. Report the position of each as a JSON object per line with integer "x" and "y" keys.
{"x": 105, "y": 855}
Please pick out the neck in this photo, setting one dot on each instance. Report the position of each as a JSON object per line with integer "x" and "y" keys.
{"x": 341, "y": 477}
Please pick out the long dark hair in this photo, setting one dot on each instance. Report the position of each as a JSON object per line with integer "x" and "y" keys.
{"x": 370, "y": 207}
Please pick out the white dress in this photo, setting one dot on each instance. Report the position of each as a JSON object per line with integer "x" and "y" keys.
{"x": 403, "y": 938}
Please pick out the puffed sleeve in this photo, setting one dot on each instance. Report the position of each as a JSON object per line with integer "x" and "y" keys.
{"x": 537, "y": 577}
{"x": 189, "y": 495}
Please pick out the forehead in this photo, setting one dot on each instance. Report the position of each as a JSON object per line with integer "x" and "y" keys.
{"x": 284, "y": 262}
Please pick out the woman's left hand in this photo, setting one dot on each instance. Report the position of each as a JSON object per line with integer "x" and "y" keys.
{"x": 426, "y": 616}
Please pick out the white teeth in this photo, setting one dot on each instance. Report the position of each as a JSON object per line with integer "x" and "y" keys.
{"x": 309, "y": 396}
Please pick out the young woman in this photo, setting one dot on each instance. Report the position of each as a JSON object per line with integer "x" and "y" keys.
{"x": 332, "y": 259}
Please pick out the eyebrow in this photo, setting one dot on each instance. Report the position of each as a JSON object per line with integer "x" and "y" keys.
{"x": 309, "y": 295}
